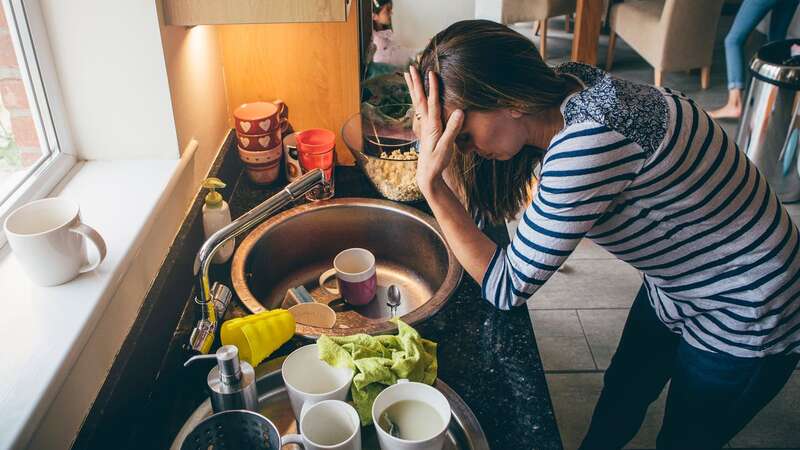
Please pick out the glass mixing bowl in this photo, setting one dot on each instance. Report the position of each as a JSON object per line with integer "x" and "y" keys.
{"x": 384, "y": 145}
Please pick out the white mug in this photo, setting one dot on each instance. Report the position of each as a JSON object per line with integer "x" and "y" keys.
{"x": 310, "y": 380}
{"x": 293, "y": 170}
{"x": 47, "y": 237}
{"x": 406, "y": 390}
{"x": 328, "y": 425}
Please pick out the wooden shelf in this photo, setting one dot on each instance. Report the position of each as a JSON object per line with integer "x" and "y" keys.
{"x": 223, "y": 12}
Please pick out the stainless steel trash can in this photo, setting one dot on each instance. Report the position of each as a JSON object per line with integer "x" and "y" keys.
{"x": 768, "y": 132}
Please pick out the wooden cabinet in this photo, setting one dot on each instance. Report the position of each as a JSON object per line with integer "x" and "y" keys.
{"x": 313, "y": 67}
{"x": 221, "y": 12}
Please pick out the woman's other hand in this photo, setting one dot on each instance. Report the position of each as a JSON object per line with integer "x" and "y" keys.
{"x": 436, "y": 143}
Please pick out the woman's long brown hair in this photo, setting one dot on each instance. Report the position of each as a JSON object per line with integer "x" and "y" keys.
{"x": 483, "y": 65}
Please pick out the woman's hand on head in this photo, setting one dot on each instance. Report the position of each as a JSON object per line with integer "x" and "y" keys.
{"x": 436, "y": 142}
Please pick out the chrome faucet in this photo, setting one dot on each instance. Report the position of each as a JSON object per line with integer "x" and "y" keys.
{"x": 214, "y": 299}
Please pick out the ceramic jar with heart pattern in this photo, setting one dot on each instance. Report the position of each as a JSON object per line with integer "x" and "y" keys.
{"x": 257, "y": 118}
{"x": 262, "y": 167}
{"x": 256, "y": 142}
{"x": 258, "y": 132}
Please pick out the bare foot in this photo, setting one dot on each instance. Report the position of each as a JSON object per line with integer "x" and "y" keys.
{"x": 727, "y": 112}
{"x": 732, "y": 109}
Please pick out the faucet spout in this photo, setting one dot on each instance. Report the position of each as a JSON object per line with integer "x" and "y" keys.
{"x": 203, "y": 334}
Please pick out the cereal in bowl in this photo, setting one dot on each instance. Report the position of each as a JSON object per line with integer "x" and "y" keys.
{"x": 395, "y": 175}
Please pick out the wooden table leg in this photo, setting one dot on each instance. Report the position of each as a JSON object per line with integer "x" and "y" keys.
{"x": 587, "y": 31}
{"x": 705, "y": 77}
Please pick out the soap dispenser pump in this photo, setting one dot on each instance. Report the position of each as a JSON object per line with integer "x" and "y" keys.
{"x": 216, "y": 215}
{"x": 232, "y": 384}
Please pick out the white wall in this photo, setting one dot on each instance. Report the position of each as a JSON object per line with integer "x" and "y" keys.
{"x": 489, "y": 9}
{"x": 415, "y": 22}
{"x": 113, "y": 78}
{"x": 197, "y": 88}
{"x": 133, "y": 89}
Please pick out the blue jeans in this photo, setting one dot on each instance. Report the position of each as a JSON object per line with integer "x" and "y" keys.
{"x": 751, "y": 12}
{"x": 711, "y": 396}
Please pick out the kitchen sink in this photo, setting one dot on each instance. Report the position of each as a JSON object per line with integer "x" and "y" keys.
{"x": 294, "y": 247}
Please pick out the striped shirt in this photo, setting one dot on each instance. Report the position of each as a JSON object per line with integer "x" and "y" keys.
{"x": 646, "y": 174}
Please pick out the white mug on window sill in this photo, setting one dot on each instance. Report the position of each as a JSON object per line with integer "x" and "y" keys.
{"x": 47, "y": 238}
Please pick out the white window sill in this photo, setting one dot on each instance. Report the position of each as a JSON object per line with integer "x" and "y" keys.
{"x": 45, "y": 329}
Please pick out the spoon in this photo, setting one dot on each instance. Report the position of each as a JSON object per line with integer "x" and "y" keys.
{"x": 393, "y": 299}
{"x": 390, "y": 426}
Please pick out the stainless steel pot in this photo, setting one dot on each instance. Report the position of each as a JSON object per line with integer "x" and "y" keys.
{"x": 770, "y": 126}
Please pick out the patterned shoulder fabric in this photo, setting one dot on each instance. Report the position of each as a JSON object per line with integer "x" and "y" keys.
{"x": 637, "y": 111}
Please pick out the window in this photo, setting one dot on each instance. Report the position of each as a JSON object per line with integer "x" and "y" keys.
{"x": 34, "y": 149}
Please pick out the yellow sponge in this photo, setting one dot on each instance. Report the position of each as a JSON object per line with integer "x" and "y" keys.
{"x": 258, "y": 335}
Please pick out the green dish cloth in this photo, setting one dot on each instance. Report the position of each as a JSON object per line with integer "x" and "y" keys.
{"x": 379, "y": 361}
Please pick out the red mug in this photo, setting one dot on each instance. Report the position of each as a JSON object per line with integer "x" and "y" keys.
{"x": 355, "y": 273}
{"x": 256, "y": 142}
{"x": 257, "y": 118}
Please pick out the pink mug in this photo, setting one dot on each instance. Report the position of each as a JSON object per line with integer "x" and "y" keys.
{"x": 355, "y": 273}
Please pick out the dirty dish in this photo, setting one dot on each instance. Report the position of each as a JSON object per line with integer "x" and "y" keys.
{"x": 328, "y": 425}
{"x": 384, "y": 146}
{"x": 293, "y": 170}
{"x": 316, "y": 149}
{"x": 314, "y": 315}
{"x": 310, "y": 380}
{"x": 263, "y": 166}
{"x": 464, "y": 431}
{"x": 258, "y": 335}
{"x": 417, "y": 413}
{"x": 258, "y": 142}
{"x": 257, "y": 117}
{"x": 354, "y": 269}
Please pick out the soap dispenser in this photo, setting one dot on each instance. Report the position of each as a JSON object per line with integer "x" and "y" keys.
{"x": 216, "y": 215}
{"x": 232, "y": 384}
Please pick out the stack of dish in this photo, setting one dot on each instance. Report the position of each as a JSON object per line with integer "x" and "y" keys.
{"x": 258, "y": 132}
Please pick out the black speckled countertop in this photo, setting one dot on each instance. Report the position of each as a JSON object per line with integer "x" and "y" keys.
{"x": 489, "y": 357}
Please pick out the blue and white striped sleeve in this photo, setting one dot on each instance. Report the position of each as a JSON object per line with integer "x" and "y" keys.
{"x": 586, "y": 167}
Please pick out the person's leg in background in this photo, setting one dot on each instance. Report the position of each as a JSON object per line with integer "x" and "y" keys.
{"x": 781, "y": 18}
{"x": 750, "y": 13}
{"x": 712, "y": 396}
{"x": 636, "y": 376}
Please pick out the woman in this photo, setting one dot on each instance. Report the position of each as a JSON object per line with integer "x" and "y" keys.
{"x": 645, "y": 173}
{"x": 751, "y": 12}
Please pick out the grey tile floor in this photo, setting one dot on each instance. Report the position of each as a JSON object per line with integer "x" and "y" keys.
{"x": 579, "y": 314}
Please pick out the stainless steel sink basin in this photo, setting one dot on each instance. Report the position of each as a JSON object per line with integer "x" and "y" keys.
{"x": 295, "y": 247}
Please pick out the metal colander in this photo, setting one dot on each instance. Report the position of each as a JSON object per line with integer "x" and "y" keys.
{"x": 233, "y": 430}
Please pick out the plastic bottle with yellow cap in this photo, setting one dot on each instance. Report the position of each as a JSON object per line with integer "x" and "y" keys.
{"x": 216, "y": 215}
